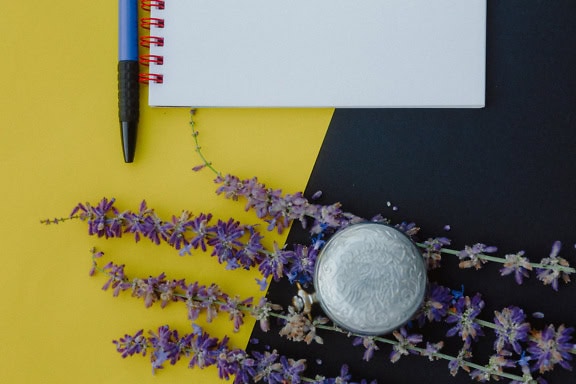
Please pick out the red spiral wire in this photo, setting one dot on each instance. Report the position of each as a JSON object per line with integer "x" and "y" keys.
{"x": 151, "y": 78}
{"x": 151, "y": 59}
{"x": 148, "y": 22}
{"x": 148, "y": 40}
{"x": 149, "y": 4}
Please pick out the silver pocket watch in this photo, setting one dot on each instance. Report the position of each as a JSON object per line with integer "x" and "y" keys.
{"x": 370, "y": 279}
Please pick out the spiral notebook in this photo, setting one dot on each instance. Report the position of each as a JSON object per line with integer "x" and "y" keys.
{"x": 315, "y": 53}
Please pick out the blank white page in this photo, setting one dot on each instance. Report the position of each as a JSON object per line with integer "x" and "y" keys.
{"x": 321, "y": 53}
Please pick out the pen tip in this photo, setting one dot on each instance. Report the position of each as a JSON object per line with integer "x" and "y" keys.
{"x": 128, "y": 131}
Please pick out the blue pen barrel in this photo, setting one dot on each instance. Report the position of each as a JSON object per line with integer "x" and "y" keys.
{"x": 128, "y": 30}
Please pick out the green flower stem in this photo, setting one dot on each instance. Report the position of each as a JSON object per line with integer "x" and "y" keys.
{"x": 197, "y": 146}
{"x": 501, "y": 260}
{"x": 57, "y": 220}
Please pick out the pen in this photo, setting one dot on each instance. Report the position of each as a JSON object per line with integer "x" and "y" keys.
{"x": 128, "y": 86}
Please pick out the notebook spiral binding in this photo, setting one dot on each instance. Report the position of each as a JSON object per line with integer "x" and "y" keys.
{"x": 149, "y": 40}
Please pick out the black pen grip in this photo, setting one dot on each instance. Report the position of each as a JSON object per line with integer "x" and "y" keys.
{"x": 128, "y": 91}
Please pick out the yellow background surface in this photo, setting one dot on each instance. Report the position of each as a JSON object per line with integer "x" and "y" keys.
{"x": 60, "y": 145}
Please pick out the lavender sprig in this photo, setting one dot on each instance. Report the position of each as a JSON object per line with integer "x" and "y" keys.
{"x": 198, "y": 298}
{"x": 280, "y": 210}
{"x": 233, "y": 244}
{"x": 405, "y": 343}
{"x": 240, "y": 246}
{"x": 550, "y": 270}
{"x": 167, "y": 346}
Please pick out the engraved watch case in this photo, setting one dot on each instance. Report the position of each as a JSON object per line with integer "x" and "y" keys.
{"x": 370, "y": 278}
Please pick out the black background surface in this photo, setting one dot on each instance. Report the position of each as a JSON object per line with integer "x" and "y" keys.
{"x": 503, "y": 175}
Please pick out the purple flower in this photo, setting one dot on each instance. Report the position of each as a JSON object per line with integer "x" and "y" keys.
{"x": 555, "y": 268}
{"x": 511, "y": 329}
{"x": 262, "y": 283}
{"x": 495, "y": 366}
{"x": 234, "y": 362}
{"x": 524, "y": 364}
{"x": 196, "y": 294}
{"x": 148, "y": 288}
{"x": 226, "y": 240}
{"x": 236, "y": 307}
{"x": 292, "y": 369}
{"x": 410, "y": 229}
{"x": 518, "y": 264}
{"x": 258, "y": 196}
{"x": 198, "y": 225}
{"x": 405, "y": 344}
{"x": 316, "y": 195}
{"x": 432, "y": 349}
{"x": 252, "y": 253}
{"x": 117, "y": 278}
{"x": 131, "y": 345}
{"x": 460, "y": 361}
{"x": 268, "y": 368}
{"x": 283, "y": 210}
{"x": 302, "y": 264}
{"x": 156, "y": 231}
{"x": 98, "y": 222}
{"x": 262, "y": 312}
{"x": 328, "y": 216}
{"x": 95, "y": 255}
{"x": 343, "y": 378}
{"x": 369, "y": 344}
{"x": 471, "y": 256}
{"x": 167, "y": 345}
{"x": 436, "y": 305}
{"x": 433, "y": 251}
{"x": 210, "y": 302}
{"x": 177, "y": 228}
{"x": 466, "y": 310}
{"x": 139, "y": 223}
{"x": 551, "y": 346}
{"x": 275, "y": 262}
{"x": 299, "y": 327}
{"x": 230, "y": 186}
{"x": 203, "y": 351}
{"x": 167, "y": 291}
